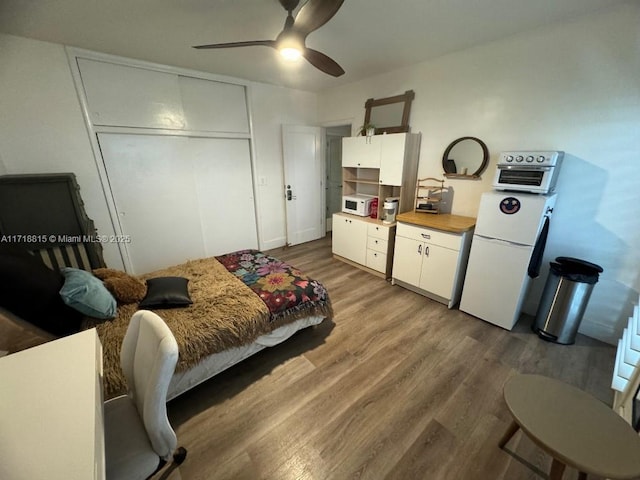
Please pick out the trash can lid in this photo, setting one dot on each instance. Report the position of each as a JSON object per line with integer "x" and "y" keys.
{"x": 576, "y": 270}
{"x": 576, "y": 265}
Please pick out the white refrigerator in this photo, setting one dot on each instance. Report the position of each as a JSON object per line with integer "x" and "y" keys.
{"x": 508, "y": 226}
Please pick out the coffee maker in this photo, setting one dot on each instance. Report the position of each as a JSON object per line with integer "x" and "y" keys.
{"x": 390, "y": 209}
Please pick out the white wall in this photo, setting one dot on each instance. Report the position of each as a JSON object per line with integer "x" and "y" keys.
{"x": 272, "y": 107}
{"x": 41, "y": 125}
{"x": 573, "y": 86}
{"x": 42, "y": 130}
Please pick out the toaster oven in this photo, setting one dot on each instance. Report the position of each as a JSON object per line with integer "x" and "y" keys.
{"x": 534, "y": 172}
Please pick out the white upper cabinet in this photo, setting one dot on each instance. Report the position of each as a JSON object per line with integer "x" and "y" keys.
{"x": 362, "y": 152}
{"x": 385, "y": 152}
{"x": 392, "y": 158}
{"x": 119, "y": 95}
{"x": 213, "y": 106}
{"x": 128, "y": 96}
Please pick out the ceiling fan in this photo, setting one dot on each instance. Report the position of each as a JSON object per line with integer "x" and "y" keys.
{"x": 291, "y": 41}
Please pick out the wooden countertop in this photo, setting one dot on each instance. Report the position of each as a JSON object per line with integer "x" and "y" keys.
{"x": 441, "y": 221}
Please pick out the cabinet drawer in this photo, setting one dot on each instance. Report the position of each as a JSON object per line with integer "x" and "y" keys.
{"x": 377, "y": 244}
{"x": 435, "y": 237}
{"x": 378, "y": 231}
{"x": 377, "y": 261}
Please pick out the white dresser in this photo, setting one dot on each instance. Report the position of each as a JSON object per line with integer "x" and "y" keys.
{"x": 51, "y": 414}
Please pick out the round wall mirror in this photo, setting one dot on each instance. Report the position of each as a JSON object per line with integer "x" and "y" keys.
{"x": 466, "y": 157}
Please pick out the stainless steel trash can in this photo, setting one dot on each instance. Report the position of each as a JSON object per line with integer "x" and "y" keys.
{"x": 564, "y": 299}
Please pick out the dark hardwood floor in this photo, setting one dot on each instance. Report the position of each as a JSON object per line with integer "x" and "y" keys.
{"x": 395, "y": 386}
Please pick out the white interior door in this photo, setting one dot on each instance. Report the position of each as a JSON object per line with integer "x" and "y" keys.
{"x": 303, "y": 177}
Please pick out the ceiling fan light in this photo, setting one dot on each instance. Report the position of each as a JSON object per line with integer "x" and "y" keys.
{"x": 290, "y": 53}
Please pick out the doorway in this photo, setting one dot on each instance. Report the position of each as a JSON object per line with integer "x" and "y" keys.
{"x": 333, "y": 169}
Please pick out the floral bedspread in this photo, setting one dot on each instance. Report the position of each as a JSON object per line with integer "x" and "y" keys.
{"x": 284, "y": 289}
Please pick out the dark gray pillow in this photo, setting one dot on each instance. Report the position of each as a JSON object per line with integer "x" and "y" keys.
{"x": 166, "y": 292}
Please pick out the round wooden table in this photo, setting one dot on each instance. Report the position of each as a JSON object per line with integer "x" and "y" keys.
{"x": 575, "y": 428}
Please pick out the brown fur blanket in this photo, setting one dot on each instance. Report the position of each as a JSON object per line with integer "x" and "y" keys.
{"x": 225, "y": 313}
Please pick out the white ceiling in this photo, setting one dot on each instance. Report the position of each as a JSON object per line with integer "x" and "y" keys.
{"x": 366, "y": 37}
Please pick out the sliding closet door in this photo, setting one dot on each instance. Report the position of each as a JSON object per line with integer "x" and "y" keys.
{"x": 151, "y": 180}
{"x": 180, "y": 198}
{"x": 222, "y": 170}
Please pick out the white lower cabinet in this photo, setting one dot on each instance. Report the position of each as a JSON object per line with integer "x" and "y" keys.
{"x": 349, "y": 238}
{"x": 364, "y": 241}
{"x": 431, "y": 261}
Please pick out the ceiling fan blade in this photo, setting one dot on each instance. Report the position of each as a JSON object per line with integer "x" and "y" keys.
{"x": 322, "y": 62}
{"x": 266, "y": 43}
{"x": 314, "y": 14}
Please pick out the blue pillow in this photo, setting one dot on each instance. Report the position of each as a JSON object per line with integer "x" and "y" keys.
{"x": 87, "y": 294}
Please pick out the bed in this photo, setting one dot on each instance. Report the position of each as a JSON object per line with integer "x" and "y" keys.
{"x": 223, "y": 309}
{"x": 242, "y": 302}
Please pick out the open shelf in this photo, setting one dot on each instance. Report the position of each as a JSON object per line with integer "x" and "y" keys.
{"x": 428, "y": 195}
{"x": 462, "y": 176}
{"x": 363, "y": 181}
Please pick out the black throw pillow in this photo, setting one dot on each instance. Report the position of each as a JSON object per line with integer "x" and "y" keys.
{"x": 30, "y": 290}
{"x": 166, "y": 292}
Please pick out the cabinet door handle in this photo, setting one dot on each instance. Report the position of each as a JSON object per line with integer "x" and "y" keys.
{"x": 426, "y": 235}
{"x": 426, "y": 251}
{"x": 420, "y": 249}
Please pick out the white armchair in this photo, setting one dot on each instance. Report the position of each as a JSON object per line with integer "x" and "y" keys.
{"x": 139, "y": 439}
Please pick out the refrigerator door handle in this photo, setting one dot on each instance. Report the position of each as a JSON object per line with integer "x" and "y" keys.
{"x": 497, "y": 240}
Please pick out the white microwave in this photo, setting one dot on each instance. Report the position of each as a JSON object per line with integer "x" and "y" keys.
{"x": 357, "y": 204}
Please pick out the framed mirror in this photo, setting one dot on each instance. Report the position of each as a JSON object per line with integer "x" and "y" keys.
{"x": 465, "y": 157}
{"x": 389, "y": 115}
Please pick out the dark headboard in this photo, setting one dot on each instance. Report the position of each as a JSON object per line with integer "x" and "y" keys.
{"x": 45, "y": 214}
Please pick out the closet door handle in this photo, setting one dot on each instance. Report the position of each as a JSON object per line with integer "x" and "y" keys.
{"x": 426, "y": 251}
{"x": 419, "y": 249}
